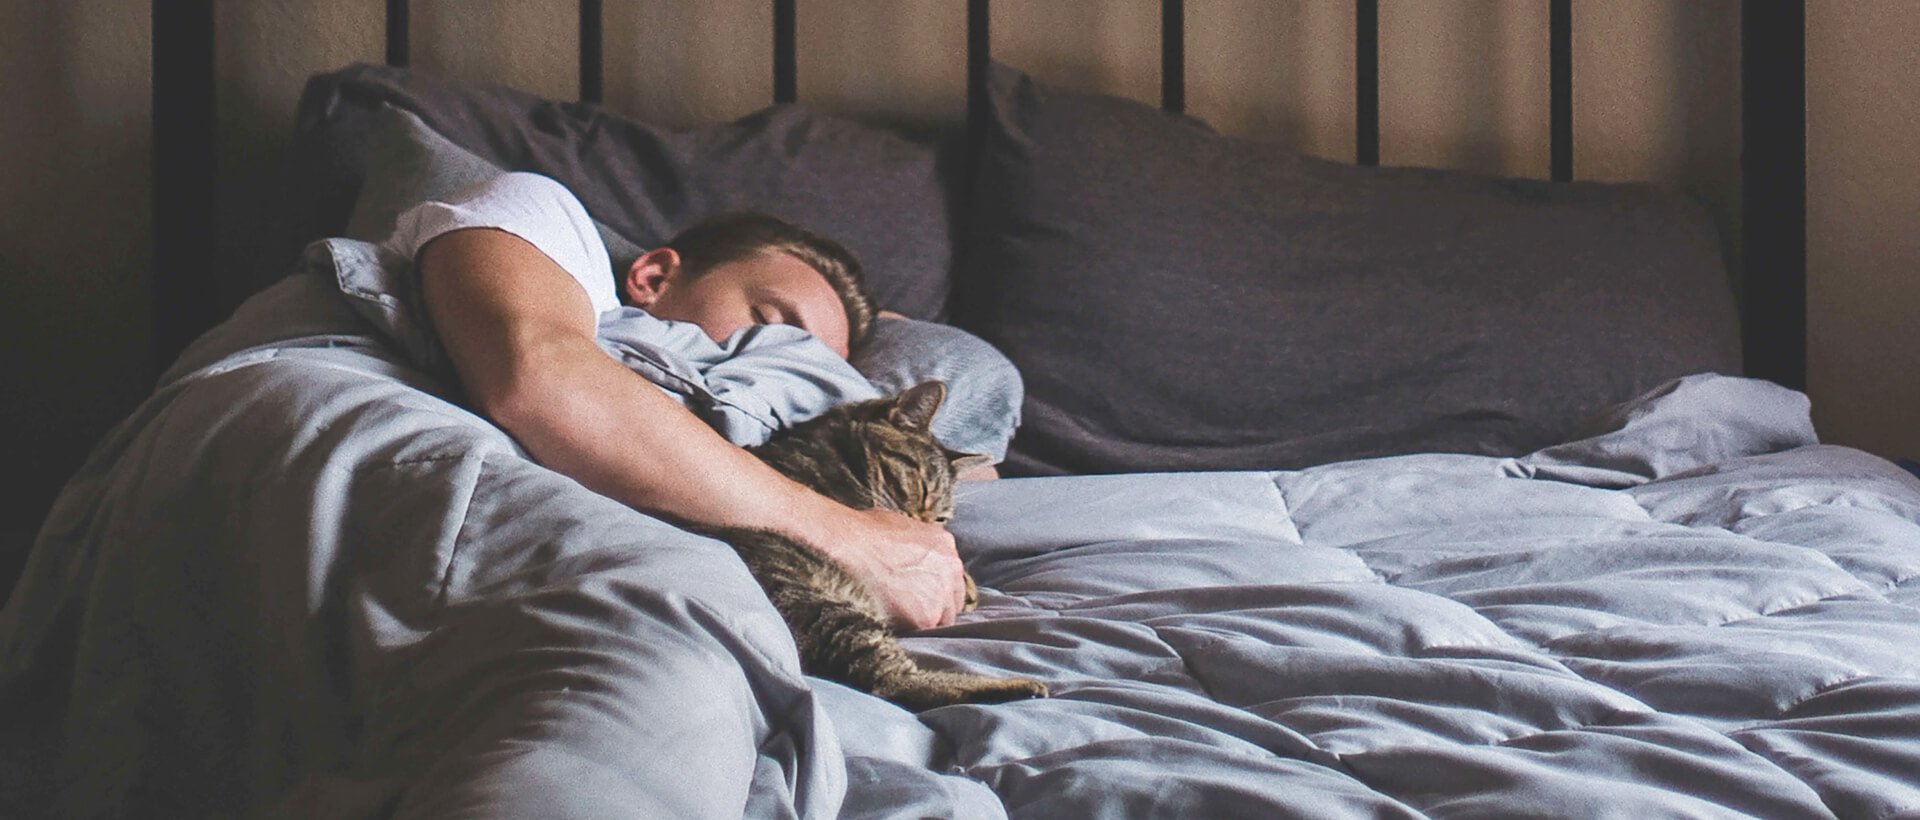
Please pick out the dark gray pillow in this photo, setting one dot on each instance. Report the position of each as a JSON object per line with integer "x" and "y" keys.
{"x": 1180, "y": 300}
{"x": 410, "y": 164}
{"x": 877, "y": 192}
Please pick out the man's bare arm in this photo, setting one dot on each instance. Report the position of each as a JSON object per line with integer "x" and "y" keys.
{"x": 520, "y": 333}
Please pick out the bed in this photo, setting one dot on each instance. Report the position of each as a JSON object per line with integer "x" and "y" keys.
{"x": 1428, "y": 494}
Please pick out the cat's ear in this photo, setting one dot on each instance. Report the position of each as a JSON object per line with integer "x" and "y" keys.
{"x": 963, "y": 462}
{"x": 915, "y": 406}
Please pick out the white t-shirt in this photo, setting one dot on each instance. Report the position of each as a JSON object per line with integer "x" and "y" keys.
{"x": 530, "y": 206}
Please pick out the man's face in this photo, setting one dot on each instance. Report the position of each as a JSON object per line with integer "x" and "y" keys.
{"x": 767, "y": 288}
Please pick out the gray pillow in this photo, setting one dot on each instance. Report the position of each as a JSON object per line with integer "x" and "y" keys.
{"x": 879, "y": 193}
{"x": 1179, "y": 300}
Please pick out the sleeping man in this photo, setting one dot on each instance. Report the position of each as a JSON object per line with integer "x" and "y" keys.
{"x": 746, "y": 319}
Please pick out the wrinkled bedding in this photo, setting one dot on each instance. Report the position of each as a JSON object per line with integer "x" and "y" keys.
{"x": 302, "y": 580}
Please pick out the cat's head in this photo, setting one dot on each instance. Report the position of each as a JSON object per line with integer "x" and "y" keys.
{"x": 888, "y": 446}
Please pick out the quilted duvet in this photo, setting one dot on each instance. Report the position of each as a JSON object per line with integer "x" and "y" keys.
{"x": 302, "y": 580}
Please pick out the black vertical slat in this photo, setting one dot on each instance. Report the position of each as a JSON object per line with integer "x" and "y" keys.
{"x": 786, "y": 83}
{"x": 965, "y": 297}
{"x": 979, "y": 58}
{"x": 398, "y": 36}
{"x": 183, "y": 175}
{"x": 592, "y": 69}
{"x": 1173, "y": 56}
{"x": 1773, "y": 171}
{"x": 1560, "y": 81}
{"x": 1366, "y": 80}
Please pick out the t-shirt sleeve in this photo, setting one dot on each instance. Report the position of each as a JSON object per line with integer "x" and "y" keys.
{"x": 533, "y": 207}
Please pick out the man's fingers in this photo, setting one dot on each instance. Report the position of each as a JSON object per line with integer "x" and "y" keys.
{"x": 919, "y": 575}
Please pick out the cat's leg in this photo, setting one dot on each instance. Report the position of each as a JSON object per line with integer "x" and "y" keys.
{"x": 927, "y": 689}
{"x": 847, "y": 641}
{"x": 842, "y": 636}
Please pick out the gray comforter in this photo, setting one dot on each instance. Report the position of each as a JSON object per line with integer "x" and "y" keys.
{"x": 301, "y": 580}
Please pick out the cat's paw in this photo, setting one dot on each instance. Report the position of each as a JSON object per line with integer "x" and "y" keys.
{"x": 932, "y": 690}
{"x": 999, "y": 690}
{"x": 1006, "y": 689}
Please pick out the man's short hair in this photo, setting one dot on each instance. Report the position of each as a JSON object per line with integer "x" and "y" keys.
{"x": 731, "y": 237}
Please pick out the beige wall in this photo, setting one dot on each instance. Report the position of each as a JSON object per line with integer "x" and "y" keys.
{"x": 1463, "y": 85}
{"x": 1863, "y": 223}
{"x": 75, "y": 182}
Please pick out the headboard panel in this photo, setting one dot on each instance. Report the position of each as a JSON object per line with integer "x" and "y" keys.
{"x": 1773, "y": 190}
{"x": 1560, "y": 88}
{"x": 1173, "y": 55}
{"x": 1366, "y": 81}
{"x": 786, "y": 60}
{"x": 184, "y": 153}
{"x": 592, "y": 67}
{"x": 399, "y": 32}
{"x": 1773, "y": 157}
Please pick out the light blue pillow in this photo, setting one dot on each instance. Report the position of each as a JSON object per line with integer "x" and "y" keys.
{"x": 984, "y": 390}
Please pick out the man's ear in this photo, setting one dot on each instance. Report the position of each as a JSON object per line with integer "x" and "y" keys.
{"x": 649, "y": 276}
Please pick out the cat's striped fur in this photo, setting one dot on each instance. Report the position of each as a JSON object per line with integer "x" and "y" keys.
{"x": 878, "y": 453}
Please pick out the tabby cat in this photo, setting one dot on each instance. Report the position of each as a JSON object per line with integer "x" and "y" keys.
{"x": 878, "y": 453}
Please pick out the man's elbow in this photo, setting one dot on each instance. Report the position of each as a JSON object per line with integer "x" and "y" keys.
{"x": 535, "y": 390}
{"x": 511, "y": 406}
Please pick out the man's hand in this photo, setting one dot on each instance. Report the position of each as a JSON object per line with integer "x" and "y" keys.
{"x": 910, "y": 566}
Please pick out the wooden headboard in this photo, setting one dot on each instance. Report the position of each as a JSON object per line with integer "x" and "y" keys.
{"x": 1772, "y": 254}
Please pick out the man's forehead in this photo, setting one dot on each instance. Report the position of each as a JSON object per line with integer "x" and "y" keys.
{"x": 782, "y": 270}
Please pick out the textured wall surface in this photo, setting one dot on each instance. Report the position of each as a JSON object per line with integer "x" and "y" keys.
{"x": 1463, "y": 85}
{"x": 75, "y": 233}
{"x": 1863, "y": 223}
